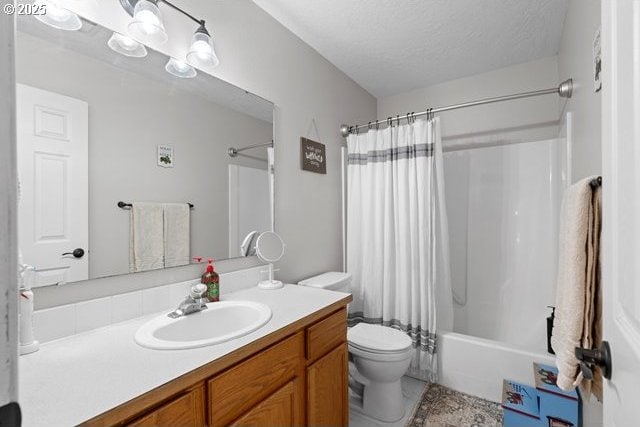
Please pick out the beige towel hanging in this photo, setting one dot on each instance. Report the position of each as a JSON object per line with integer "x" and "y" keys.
{"x": 578, "y": 301}
{"x": 146, "y": 246}
{"x": 176, "y": 234}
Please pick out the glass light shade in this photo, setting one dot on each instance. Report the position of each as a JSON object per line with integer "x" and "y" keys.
{"x": 127, "y": 46}
{"x": 201, "y": 53}
{"x": 147, "y": 25}
{"x": 180, "y": 69}
{"x": 58, "y": 17}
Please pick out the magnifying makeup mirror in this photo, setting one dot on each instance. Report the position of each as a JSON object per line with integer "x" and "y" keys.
{"x": 270, "y": 248}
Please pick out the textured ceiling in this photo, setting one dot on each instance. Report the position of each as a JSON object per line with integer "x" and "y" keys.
{"x": 392, "y": 46}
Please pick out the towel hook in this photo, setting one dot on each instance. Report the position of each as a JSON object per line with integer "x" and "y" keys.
{"x": 595, "y": 357}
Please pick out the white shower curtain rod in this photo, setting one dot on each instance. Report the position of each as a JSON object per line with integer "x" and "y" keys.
{"x": 565, "y": 90}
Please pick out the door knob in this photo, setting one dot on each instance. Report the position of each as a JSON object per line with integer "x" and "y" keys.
{"x": 78, "y": 253}
{"x": 598, "y": 356}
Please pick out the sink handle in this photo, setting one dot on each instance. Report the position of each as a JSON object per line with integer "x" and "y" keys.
{"x": 197, "y": 291}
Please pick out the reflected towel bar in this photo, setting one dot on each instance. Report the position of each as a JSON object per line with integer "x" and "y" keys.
{"x": 129, "y": 205}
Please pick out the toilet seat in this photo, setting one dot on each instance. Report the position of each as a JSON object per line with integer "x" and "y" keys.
{"x": 378, "y": 342}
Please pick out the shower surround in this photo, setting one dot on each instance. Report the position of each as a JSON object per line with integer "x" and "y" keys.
{"x": 503, "y": 204}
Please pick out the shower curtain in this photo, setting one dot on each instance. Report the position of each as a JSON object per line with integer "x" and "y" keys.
{"x": 397, "y": 246}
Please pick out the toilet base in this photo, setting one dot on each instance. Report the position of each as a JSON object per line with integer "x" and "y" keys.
{"x": 380, "y": 401}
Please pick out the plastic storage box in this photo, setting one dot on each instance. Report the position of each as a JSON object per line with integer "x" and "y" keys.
{"x": 520, "y": 404}
{"x": 558, "y": 408}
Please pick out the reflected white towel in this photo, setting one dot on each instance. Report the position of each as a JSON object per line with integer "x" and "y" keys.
{"x": 577, "y": 286}
{"x": 176, "y": 234}
{"x": 146, "y": 245}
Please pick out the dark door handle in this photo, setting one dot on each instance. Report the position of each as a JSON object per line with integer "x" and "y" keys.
{"x": 78, "y": 253}
{"x": 598, "y": 356}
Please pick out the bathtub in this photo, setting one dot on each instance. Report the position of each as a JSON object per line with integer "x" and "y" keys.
{"x": 477, "y": 366}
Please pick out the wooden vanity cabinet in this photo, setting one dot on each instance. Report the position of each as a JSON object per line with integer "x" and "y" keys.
{"x": 297, "y": 376}
{"x": 185, "y": 410}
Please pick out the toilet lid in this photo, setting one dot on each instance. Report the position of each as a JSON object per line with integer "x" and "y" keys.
{"x": 378, "y": 338}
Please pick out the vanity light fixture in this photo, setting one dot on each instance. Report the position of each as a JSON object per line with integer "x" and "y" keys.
{"x": 147, "y": 26}
{"x": 180, "y": 69}
{"x": 126, "y": 46}
{"x": 58, "y": 17}
{"x": 202, "y": 53}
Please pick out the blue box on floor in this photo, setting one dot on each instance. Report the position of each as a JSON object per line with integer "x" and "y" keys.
{"x": 520, "y": 404}
{"x": 558, "y": 408}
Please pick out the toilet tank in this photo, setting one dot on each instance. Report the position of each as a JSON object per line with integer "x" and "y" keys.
{"x": 332, "y": 280}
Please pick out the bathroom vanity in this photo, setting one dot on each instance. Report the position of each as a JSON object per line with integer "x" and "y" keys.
{"x": 291, "y": 371}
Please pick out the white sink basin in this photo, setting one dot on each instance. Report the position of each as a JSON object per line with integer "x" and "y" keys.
{"x": 220, "y": 321}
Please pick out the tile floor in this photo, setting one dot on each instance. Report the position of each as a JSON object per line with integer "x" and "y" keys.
{"x": 412, "y": 390}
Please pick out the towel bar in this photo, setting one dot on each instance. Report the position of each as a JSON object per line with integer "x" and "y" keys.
{"x": 123, "y": 205}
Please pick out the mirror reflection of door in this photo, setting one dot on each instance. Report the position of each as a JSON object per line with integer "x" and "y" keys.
{"x": 249, "y": 206}
{"x": 52, "y": 148}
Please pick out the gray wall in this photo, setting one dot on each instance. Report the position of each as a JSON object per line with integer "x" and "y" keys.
{"x": 575, "y": 59}
{"x": 260, "y": 55}
{"x": 531, "y": 118}
{"x": 8, "y": 252}
{"x": 129, "y": 115}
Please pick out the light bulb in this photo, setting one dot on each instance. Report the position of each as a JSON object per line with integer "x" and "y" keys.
{"x": 126, "y": 46}
{"x": 57, "y": 17}
{"x": 180, "y": 69}
{"x": 201, "y": 53}
{"x": 147, "y": 25}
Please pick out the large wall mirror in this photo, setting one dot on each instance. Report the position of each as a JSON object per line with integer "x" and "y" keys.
{"x": 124, "y": 167}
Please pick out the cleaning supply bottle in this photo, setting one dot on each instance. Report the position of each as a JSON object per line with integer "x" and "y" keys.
{"x": 550, "y": 321}
{"x": 211, "y": 279}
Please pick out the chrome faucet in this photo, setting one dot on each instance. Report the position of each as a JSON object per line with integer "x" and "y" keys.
{"x": 193, "y": 303}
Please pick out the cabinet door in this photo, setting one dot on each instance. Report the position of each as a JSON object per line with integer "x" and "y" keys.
{"x": 279, "y": 409}
{"x": 327, "y": 389}
{"x": 238, "y": 390}
{"x": 186, "y": 410}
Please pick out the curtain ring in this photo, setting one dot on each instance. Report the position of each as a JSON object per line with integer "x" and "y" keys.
{"x": 413, "y": 116}
{"x": 377, "y": 125}
{"x": 398, "y": 120}
{"x": 389, "y": 122}
{"x": 369, "y": 126}
{"x": 408, "y": 116}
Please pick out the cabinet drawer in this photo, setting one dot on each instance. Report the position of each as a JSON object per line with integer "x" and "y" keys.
{"x": 185, "y": 410}
{"x": 234, "y": 392}
{"x": 326, "y": 335}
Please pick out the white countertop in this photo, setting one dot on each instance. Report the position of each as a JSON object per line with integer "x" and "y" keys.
{"x": 73, "y": 379}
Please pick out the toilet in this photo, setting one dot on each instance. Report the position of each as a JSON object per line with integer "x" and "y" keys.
{"x": 379, "y": 356}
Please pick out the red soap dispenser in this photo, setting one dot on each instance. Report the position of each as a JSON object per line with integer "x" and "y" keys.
{"x": 211, "y": 279}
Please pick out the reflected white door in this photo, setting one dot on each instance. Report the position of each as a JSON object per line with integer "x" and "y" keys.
{"x": 52, "y": 148}
{"x": 621, "y": 202}
{"x": 249, "y": 206}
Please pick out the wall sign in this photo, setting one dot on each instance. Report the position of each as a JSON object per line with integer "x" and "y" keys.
{"x": 165, "y": 156}
{"x": 312, "y": 156}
